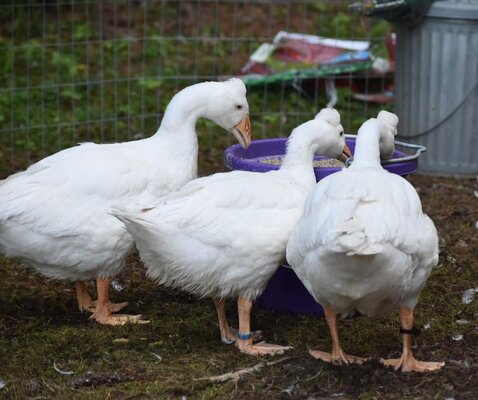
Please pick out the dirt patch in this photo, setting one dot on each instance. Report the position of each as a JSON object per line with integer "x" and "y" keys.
{"x": 95, "y": 379}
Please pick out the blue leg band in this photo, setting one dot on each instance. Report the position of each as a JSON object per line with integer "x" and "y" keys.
{"x": 244, "y": 336}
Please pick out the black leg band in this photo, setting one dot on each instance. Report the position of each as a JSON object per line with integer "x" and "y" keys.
{"x": 413, "y": 331}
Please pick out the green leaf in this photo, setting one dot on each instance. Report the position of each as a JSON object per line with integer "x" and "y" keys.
{"x": 320, "y": 6}
{"x": 149, "y": 83}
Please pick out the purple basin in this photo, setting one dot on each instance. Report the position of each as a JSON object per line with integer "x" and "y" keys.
{"x": 285, "y": 292}
{"x": 235, "y": 157}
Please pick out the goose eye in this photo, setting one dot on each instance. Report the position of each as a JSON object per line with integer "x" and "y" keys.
{"x": 239, "y": 107}
{"x": 342, "y": 133}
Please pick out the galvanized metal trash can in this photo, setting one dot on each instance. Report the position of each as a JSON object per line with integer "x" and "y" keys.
{"x": 436, "y": 85}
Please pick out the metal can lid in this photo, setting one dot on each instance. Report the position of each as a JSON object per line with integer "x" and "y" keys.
{"x": 454, "y": 9}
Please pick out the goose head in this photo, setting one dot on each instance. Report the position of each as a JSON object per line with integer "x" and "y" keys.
{"x": 229, "y": 109}
{"x": 330, "y": 145}
{"x": 388, "y": 130}
{"x": 324, "y": 134}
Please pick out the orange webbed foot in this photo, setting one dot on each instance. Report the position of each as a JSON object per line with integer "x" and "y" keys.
{"x": 262, "y": 348}
{"x": 113, "y": 307}
{"x": 86, "y": 306}
{"x": 409, "y": 364}
{"x": 337, "y": 358}
{"x": 118, "y": 319}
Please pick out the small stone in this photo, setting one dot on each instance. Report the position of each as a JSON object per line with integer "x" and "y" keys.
{"x": 2, "y": 384}
{"x": 427, "y": 326}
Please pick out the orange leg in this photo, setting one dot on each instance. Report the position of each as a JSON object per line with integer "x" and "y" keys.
{"x": 407, "y": 362}
{"x": 337, "y": 356}
{"x": 85, "y": 303}
{"x": 103, "y": 311}
{"x": 245, "y": 345}
{"x": 227, "y": 336}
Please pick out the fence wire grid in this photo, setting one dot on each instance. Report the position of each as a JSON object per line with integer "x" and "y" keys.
{"x": 104, "y": 71}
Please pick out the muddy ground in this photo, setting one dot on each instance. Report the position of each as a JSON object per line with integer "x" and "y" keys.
{"x": 40, "y": 329}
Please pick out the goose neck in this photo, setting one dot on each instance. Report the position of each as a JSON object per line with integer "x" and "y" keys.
{"x": 183, "y": 111}
{"x": 298, "y": 161}
{"x": 298, "y": 154}
{"x": 367, "y": 150}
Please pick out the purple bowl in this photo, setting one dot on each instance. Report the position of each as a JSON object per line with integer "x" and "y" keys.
{"x": 285, "y": 292}
{"x": 238, "y": 158}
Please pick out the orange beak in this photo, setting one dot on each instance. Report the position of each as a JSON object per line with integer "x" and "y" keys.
{"x": 346, "y": 153}
{"x": 242, "y": 132}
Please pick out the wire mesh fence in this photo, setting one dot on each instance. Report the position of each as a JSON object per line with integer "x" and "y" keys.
{"x": 104, "y": 71}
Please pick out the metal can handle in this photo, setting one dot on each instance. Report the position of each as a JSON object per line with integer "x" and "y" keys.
{"x": 419, "y": 149}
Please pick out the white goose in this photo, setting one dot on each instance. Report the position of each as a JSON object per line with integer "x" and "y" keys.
{"x": 364, "y": 243}
{"x": 225, "y": 235}
{"x": 53, "y": 216}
